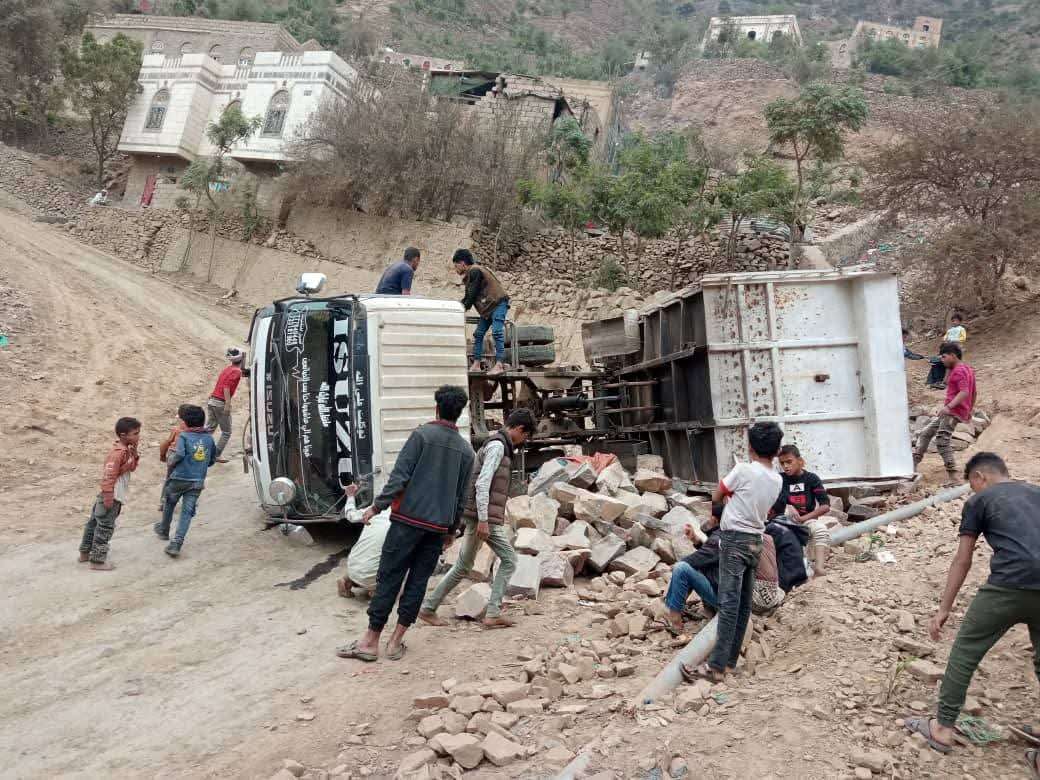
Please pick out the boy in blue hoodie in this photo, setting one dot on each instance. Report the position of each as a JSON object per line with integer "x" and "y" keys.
{"x": 189, "y": 459}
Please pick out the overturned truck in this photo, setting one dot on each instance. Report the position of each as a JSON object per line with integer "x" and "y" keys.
{"x": 337, "y": 383}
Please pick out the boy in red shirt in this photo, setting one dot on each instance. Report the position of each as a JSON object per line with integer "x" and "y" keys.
{"x": 960, "y": 402}
{"x": 115, "y": 488}
{"x": 218, "y": 407}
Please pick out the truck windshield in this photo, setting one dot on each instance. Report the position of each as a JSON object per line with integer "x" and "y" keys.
{"x": 318, "y": 402}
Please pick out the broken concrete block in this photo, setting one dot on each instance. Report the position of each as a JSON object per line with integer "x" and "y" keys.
{"x": 473, "y": 601}
{"x": 526, "y": 707}
{"x": 545, "y": 510}
{"x": 575, "y": 538}
{"x": 651, "y": 482}
{"x": 648, "y": 587}
{"x": 577, "y": 558}
{"x": 467, "y": 705}
{"x": 566, "y": 495}
{"x": 572, "y": 674}
{"x": 912, "y": 646}
{"x": 653, "y": 504}
{"x": 556, "y": 571}
{"x": 501, "y": 751}
{"x": 614, "y": 478}
{"x": 505, "y": 720}
{"x": 431, "y": 725}
{"x": 650, "y": 463}
{"x": 925, "y": 670}
{"x": 636, "y": 559}
{"x": 905, "y": 622}
{"x": 602, "y": 553}
{"x": 663, "y": 548}
{"x": 518, "y": 512}
{"x": 637, "y": 626}
{"x": 430, "y": 701}
{"x": 598, "y": 507}
{"x": 605, "y": 529}
{"x": 550, "y": 473}
{"x": 532, "y": 541}
{"x": 464, "y": 749}
{"x": 638, "y": 536}
{"x": 506, "y": 691}
{"x": 618, "y": 626}
{"x": 584, "y": 476}
{"x": 526, "y": 579}
{"x": 417, "y": 760}
{"x": 562, "y": 524}
{"x": 859, "y": 512}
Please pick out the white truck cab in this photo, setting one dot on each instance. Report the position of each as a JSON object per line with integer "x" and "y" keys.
{"x": 337, "y": 385}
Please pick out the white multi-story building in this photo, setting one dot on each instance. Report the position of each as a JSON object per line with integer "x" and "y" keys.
{"x": 181, "y": 95}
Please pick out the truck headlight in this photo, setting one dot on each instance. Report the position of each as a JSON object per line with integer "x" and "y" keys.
{"x": 282, "y": 490}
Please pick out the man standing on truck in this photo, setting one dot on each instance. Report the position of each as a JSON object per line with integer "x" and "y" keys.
{"x": 485, "y": 517}
{"x": 218, "y": 407}
{"x": 484, "y": 292}
{"x": 426, "y": 493}
{"x": 397, "y": 278}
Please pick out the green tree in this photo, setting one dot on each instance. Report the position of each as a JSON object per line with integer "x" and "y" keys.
{"x": 568, "y": 148}
{"x": 762, "y": 187}
{"x": 28, "y": 61}
{"x": 202, "y": 175}
{"x": 565, "y": 203}
{"x": 813, "y": 125}
{"x": 316, "y": 19}
{"x": 100, "y": 81}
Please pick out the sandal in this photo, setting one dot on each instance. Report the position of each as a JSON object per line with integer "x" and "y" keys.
{"x": 1028, "y": 733}
{"x": 923, "y": 726}
{"x": 1033, "y": 759}
{"x": 397, "y": 654}
{"x": 702, "y": 672}
{"x": 353, "y": 651}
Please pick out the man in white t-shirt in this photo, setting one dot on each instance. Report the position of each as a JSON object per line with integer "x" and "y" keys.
{"x": 751, "y": 489}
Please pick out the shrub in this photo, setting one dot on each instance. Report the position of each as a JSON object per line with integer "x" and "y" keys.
{"x": 610, "y": 275}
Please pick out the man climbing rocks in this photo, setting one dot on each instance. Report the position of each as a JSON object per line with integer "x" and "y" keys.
{"x": 485, "y": 293}
{"x": 960, "y": 402}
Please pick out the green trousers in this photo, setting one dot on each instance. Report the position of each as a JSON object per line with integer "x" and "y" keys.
{"x": 500, "y": 545}
{"x": 993, "y": 611}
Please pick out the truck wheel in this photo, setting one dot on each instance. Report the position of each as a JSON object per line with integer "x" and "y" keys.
{"x": 537, "y": 354}
{"x": 527, "y": 335}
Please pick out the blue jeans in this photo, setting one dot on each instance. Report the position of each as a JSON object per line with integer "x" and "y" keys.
{"x": 738, "y": 559}
{"x": 187, "y": 492}
{"x": 497, "y": 323}
{"x": 684, "y": 579}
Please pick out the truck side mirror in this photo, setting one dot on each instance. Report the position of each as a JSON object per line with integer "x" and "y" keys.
{"x": 311, "y": 283}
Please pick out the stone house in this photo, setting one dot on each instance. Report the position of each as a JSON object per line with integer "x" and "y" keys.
{"x": 180, "y": 95}
{"x": 755, "y": 28}
{"x": 420, "y": 61}
{"x": 926, "y": 32}
{"x": 233, "y": 43}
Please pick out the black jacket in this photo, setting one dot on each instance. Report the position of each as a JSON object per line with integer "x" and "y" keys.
{"x": 427, "y": 487}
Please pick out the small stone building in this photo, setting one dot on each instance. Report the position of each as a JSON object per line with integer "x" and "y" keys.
{"x": 755, "y": 28}
{"x": 420, "y": 61}
{"x": 181, "y": 95}
{"x": 232, "y": 43}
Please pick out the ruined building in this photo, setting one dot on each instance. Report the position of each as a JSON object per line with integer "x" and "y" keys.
{"x": 755, "y": 28}
{"x": 926, "y": 32}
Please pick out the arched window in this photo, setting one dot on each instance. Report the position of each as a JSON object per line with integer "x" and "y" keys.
{"x": 245, "y": 57}
{"x": 216, "y": 53}
{"x": 234, "y": 104}
{"x": 751, "y": 35}
{"x": 186, "y": 47}
{"x": 157, "y": 111}
{"x": 277, "y": 110}
{"x": 158, "y": 46}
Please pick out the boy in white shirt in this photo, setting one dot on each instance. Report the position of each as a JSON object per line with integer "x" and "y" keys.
{"x": 751, "y": 489}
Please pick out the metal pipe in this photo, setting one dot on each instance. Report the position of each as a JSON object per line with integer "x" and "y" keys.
{"x": 843, "y": 535}
{"x": 700, "y": 647}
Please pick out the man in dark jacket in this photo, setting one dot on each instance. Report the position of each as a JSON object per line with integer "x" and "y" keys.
{"x": 485, "y": 517}
{"x": 485, "y": 293}
{"x": 426, "y": 493}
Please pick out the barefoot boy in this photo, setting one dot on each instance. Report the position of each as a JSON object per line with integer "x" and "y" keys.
{"x": 115, "y": 489}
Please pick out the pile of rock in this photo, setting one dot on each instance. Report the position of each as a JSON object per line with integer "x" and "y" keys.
{"x": 574, "y": 521}
{"x": 662, "y": 265}
{"x": 963, "y": 436}
{"x": 21, "y": 176}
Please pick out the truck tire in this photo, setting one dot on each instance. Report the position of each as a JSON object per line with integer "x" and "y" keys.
{"x": 537, "y": 354}
{"x": 527, "y": 335}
